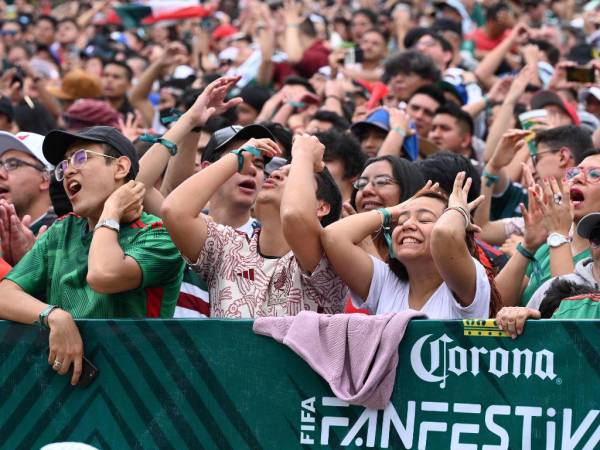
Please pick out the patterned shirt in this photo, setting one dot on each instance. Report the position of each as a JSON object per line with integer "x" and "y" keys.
{"x": 244, "y": 284}
{"x": 57, "y": 267}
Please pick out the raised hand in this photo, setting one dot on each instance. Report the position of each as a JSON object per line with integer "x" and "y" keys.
{"x": 535, "y": 230}
{"x": 307, "y": 145}
{"x": 127, "y": 200}
{"x": 556, "y": 206}
{"x": 509, "y": 145}
{"x": 212, "y": 101}
{"x": 266, "y": 146}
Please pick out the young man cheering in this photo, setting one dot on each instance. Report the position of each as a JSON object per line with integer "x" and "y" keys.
{"x": 281, "y": 270}
{"x": 107, "y": 260}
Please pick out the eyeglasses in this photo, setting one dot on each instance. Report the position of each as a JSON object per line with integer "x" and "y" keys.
{"x": 590, "y": 174}
{"x": 378, "y": 182}
{"x": 535, "y": 157}
{"x": 8, "y": 32}
{"x": 77, "y": 161}
{"x": 14, "y": 163}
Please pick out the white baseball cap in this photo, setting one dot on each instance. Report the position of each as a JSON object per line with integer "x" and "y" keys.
{"x": 594, "y": 90}
{"x": 25, "y": 142}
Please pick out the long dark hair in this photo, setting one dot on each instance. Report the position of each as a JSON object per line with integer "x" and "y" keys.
{"x": 400, "y": 270}
{"x": 406, "y": 174}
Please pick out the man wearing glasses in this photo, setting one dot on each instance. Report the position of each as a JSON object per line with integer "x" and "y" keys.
{"x": 25, "y": 180}
{"x": 107, "y": 260}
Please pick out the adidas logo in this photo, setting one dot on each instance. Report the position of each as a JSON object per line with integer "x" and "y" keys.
{"x": 247, "y": 274}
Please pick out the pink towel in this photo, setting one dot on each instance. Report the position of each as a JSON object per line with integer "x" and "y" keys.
{"x": 356, "y": 354}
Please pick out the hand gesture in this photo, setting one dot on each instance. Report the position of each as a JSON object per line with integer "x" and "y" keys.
{"x": 292, "y": 12}
{"x": 305, "y": 145}
{"x": 132, "y": 126}
{"x": 66, "y": 346}
{"x": 347, "y": 210}
{"x": 266, "y": 146}
{"x": 535, "y": 229}
{"x": 458, "y": 198}
{"x": 127, "y": 200}
{"x": 16, "y": 237}
{"x": 429, "y": 187}
{"x": 520, "y": 33}
{"x": 399, "y": 119}
{"x": 511, "y": 319}
{"x": 500, "y": 89}
{"x": 555, "y": 205}
{"x": 517, "y": 88}
{"x": 509, "y": 145}
{"x": 212, "y": 101}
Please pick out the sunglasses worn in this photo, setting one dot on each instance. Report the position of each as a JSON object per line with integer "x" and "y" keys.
{"x": 77, "y": 161}
{"x": 590, "y": 174}
{"x": 378, "y": 182}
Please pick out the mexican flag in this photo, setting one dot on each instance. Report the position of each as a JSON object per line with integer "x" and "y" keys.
{"x": 141, "y": 13}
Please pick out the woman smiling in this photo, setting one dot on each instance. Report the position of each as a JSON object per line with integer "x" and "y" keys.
{"x": 431, "y": 267}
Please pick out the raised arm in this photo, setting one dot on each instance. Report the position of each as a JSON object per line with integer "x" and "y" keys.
{"x": 155, "y": 160}
{"x": 181, "y": 210}
{"x": 504, "y": 118}
{"x": 141, "y": 91}
{"x": 299, "y": 204}
{"x": 293, "y": 18}
{"x": 448, "y": 246}
{"x": 492, "y": 60}
{"x": 511, "y": 281}
{"x": 399, "y": 129}
{"x": 109, "y": 269}
{"x": 342, "y": 243}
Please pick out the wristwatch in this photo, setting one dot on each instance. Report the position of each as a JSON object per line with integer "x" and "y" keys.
{"x": 556, "y": 240}
{"x": 108, "y": 223}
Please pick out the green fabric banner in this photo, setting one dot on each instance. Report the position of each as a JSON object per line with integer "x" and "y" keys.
{"x": 177, "y": 384}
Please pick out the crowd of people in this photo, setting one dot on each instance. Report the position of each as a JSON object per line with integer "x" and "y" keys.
{"x": 261, "y": 158}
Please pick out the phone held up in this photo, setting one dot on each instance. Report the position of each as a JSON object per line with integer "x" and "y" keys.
{"x": 581, "y": 74}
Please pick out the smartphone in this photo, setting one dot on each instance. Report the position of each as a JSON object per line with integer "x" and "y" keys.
{"x": 581, "y": 74}
{"x": 89, "y": 372}
{"x": 358, "y": 55}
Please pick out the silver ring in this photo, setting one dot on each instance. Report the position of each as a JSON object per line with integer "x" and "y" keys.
{"x": 558, "y": 199}
{"x": 57, "y": 364}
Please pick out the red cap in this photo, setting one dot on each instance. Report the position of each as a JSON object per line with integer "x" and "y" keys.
{"x": 223, "y": 31}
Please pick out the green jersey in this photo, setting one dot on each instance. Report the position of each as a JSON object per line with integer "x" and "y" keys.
{"x": 543, "y": 273}
{"x": 585, "y": 306}
{"x": 56, "y": 268}
{"x": 507, "y": 204}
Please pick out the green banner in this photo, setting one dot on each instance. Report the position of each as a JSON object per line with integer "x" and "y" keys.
{"x": 178, "y": 384}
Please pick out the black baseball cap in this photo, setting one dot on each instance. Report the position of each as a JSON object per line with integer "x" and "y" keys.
{"x": 220, "y": 138}
{"x": 588, "y": 225}
{"x": 57, "y": 142}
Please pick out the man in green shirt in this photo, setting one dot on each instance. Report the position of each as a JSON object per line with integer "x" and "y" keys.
{"x": 106, "y": 260}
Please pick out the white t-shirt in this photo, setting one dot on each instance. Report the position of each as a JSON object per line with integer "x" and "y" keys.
{"x": 390, "y": 294}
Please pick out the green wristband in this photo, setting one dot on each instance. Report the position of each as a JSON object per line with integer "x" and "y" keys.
{"x": 387, "y": 230}
{"x": 240, "y": 157}
{"x": 169, "y": 145}
{"x": 490, "y": 179}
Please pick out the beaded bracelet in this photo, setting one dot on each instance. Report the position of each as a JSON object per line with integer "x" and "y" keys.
{"x": 240, "y": 157}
